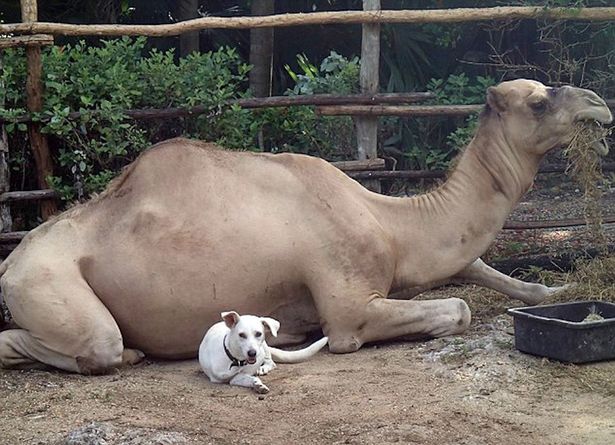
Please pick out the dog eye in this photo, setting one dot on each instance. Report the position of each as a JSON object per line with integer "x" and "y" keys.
{"x": 242, "y": 335}
{"x": 258, "y": 334}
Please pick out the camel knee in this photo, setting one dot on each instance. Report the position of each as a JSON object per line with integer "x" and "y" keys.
{"x": 100, "y": 360}
{"x": 459, "y": 315}
{"x": 343, "y": 344}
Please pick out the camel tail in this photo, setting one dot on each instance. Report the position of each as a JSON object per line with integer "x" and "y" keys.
{"x": 301, "y": 355}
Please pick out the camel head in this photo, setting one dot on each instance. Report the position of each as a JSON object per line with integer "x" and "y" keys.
{"x": 536, "y": 118}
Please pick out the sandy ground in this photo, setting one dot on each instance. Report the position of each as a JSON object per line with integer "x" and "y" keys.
{"x": 469, "y": 389}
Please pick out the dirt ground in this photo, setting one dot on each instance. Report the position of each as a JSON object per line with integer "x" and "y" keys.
{"x": 464, "y": 390}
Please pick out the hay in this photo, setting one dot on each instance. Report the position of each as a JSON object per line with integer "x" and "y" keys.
{"x": 594, "y": 315}
{"x": 585, "y": 169}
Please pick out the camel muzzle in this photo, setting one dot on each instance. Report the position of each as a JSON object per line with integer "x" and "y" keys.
{"x": 591, "y": 106}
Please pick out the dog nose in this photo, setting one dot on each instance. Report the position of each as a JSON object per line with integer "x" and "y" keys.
{"x": 252, "y": 353}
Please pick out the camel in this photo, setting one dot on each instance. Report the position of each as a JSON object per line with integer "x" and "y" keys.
{"x": 188, "y": 231}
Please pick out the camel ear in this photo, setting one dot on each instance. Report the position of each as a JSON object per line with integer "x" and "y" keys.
{"x": 496, "y": 100}
{"x": 272, "y": 324}
{"x": 230, "y": 318}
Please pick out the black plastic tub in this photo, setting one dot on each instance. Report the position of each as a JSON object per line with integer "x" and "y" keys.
{"x": 559, "y": 331}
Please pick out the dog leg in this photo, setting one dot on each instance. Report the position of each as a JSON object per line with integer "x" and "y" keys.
{"x": 248, "y": 381}
{"x": 268, "y": 365}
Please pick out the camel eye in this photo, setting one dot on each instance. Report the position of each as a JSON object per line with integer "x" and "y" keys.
{"x": 539, "y": 107}
{"x": 258, "y": 334}
{"x": 242, "y": 335}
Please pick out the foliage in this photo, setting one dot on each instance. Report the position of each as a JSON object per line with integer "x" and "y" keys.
{"x": 337, "y": 74}
{"x": 431, "y": 144}
{"x": 114, "y": 77}
{"x": 298, "y": 129}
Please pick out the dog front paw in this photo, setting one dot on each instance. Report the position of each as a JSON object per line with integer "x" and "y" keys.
{"x": 261, "y": 388}
{"x": 264, "y": 370}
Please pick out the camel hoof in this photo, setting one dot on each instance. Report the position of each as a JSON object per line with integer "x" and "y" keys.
{"x": 557, "y": 289}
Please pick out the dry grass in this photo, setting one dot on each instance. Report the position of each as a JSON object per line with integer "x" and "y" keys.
{"x": 593, "y": 280}
{"x": 585, "y": 168}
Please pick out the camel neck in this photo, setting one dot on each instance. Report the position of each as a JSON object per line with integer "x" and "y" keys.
{"x": 454, "y": 224}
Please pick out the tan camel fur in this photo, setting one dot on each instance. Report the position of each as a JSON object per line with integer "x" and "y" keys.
{"x": 188, "y": 231}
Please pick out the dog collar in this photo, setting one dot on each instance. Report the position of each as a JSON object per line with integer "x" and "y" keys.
{"x": 234, "y": 361}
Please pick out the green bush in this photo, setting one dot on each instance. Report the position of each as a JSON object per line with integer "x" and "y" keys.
{"x": 432, "y": 143}
{"x": 113, "y": 77}
{"x": 299, "y": 129}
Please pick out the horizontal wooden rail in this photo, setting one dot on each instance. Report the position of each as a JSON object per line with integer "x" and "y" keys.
{"x": 309, "y": 100}
{"x": 552, "y": 224}
{"x": 255, "y": 102}
{"x": 454, "y": 15}
{"x": 434, "y": 174}
{"x": 398, "y": 174}
{"x": 29, "y": 195}
{"x": 33, "y": 40}
{"x": 360, "y": 165}
{"x": 12, "y": 237}
{"x": 332, "y": 99}
{"x": 406, "y": 111}
{"x": 392, "y": 110}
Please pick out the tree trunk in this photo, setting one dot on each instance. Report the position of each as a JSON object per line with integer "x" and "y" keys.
{"x": 6, "y": 224}
{"x": 189, "y": 41}
{"x": 367, "y": 126}
{"x": 261, "y": 51}
{"x": 34, "y": 95}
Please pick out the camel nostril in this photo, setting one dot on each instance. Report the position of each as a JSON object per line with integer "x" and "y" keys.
{"x": 251, "y": 353}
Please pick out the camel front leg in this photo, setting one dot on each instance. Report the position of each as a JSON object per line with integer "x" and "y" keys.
{"x": 530, "y": 293}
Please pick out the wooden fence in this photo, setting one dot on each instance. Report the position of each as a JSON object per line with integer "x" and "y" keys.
{"x": 366, "y": 107}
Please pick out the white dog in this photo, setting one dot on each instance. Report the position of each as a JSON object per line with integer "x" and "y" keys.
{"x": 234, "y": 351}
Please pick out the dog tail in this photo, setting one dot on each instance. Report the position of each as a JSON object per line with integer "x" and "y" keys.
{"x": 301, "y": 355}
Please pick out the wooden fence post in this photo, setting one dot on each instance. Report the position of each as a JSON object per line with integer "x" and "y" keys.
{"x": 6, "y": 223}
{"x": 367, "y": 126}
{"x": 34, "y": 92}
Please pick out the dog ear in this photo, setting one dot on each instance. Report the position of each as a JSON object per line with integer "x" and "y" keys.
{"x": 272, "y": 324}
{"x": 230, "y": 318}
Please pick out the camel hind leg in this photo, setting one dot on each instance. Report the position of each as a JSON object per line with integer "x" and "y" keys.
{"x": 62, "y": 324}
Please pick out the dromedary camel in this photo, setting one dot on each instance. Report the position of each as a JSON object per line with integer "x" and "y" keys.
{"x": 188, "y": 231}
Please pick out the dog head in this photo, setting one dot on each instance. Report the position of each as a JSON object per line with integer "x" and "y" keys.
{"x": 247, "y": 335}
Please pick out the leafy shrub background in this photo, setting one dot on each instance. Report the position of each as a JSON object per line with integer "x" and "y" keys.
{"x": 101, "y": 82}
{"x": 112, "y": 78}
{"x": 120, "y": 75}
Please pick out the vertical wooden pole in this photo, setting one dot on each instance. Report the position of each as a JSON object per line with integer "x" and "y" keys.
{"x": 189, "y": 42}
{"x": 261, "y": 51}
{"x": 6, "y": 223}
{"x": 261, "y": 57}
{"x": 34, "y": 93}
{"x": 367, "y": 126}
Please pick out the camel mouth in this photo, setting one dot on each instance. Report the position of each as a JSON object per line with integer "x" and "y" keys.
{"x": 600, "y": 145}
{"x": 592, "y": 134}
